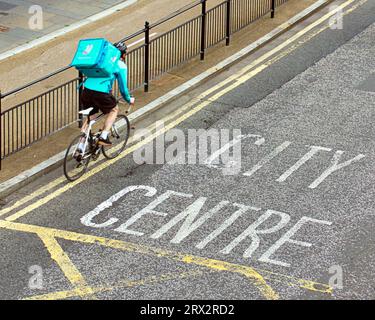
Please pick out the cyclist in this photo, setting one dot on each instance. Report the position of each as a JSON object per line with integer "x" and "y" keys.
{"x": 97, "y": 94}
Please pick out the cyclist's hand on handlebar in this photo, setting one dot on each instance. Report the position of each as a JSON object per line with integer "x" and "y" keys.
{"x": 132, "y": 100}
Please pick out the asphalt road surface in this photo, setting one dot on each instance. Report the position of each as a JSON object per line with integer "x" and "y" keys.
{"x": 289, "y": 216}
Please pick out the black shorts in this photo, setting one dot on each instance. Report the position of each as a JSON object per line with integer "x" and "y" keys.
{"x": 104, "y": 102}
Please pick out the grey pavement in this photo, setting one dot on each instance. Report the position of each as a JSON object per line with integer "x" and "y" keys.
{"x": 318, "y": 97}
{"x": 15, "y": 16}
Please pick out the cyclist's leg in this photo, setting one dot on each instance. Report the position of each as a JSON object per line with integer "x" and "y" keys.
{"x": 82, "y": 146}
{"x": 88, "y": 100}
{"x": 86, "y": 121}
{"x": 111, "y": 118}
{"x": 110, "y": 109}
{"x": 109, "y": 121}
{"x": 92, "y": 116}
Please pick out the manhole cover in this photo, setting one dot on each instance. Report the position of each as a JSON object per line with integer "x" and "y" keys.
{"x": 5, "y": 6}
{"x": 4, "y": 29}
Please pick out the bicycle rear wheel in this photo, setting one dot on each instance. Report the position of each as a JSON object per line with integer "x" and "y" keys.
{"x": 75, "y": 168}
{"x": 119, "y": 137}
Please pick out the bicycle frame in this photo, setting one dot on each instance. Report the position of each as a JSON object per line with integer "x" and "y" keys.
{"x": 88, "y": 131}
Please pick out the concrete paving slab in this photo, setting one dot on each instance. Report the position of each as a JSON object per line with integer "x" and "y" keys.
{"x": 16, "y": 15}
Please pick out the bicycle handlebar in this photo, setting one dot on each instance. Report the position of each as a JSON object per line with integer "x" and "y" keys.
{"x": 121, "y": 99}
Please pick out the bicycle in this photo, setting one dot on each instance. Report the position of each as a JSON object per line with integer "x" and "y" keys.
{"x": 76, "y": 164}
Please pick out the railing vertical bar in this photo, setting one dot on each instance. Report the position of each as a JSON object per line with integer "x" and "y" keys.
{"x": 9, "y": 142}
{"x": 46, "y": 112}
{"x": 154, "y": 60}
{"x": 42, "y": 115}
{"x": 147, "y": 56}
{"x": 68, "y": 102}
{"x": 176, "y": 47}
{"x": 53, "y": 110}
{"x": 50, "y": 103}
{"x": 203, "y": 30}
{"x": 25, "y": 125}
{"x": 80, "y": 89}
{"x": 61, "y": 106}
{"x": 58, "y": 108}
{"x": 181, "y": 44}
{"x": 1, "y": 133}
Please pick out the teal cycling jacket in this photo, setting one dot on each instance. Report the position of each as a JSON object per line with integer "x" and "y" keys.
{"x": 106, "y": 84}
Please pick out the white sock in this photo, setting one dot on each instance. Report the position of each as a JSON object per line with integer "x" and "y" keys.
{"x": 104, "y": 134}
{"x": 81, "y": 146}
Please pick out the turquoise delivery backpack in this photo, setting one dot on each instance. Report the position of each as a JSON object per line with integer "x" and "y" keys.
{"x": 96, "y": 58}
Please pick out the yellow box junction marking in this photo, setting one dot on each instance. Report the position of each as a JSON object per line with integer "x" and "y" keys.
{"x": 120, "y": 285}
{"x": 65, "y": 264}
{"x": 256, "y": 276}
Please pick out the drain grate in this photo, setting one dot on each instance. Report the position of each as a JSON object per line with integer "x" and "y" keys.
{"x": 5, "y": 6}
{"x": 4, "y": 28}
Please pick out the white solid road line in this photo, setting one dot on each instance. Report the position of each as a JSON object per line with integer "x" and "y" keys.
{"x": 63, "y": 31}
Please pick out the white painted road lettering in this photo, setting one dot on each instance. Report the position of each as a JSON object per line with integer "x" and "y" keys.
{"x": 149, "y": 210}
{"x": 268, "y": 158}
{"x": 87, "y": 219}
{"x": 287, "y": 237}
{"x": 335, "y": 166}
{"x": 252, "y": 232}
{"x": 227, "y": 223}
{"x": 193, "y": 217}
{"x": 214, "y": 149}
{"x": 232, "y": 163}
{"x": 313, "y": 150}
{"x": 190, "y": 215}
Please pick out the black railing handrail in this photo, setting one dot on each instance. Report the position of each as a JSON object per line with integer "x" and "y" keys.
{"x": 40, "y": 95}
{"x": 35, "y": 82}
{"x": 133, "y": 35}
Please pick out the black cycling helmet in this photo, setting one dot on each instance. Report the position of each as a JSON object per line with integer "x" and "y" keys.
{"x": 122, "y": 47}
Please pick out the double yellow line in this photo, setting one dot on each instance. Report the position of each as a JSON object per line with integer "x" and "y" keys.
{"x": 223, "y": 88}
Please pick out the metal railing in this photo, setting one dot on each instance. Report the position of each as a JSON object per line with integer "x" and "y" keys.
{"x": 26, "y": 123}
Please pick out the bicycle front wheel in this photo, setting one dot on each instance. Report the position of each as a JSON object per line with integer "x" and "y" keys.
{"x": 119, "y": 137}
{"x": 75, "y": 165}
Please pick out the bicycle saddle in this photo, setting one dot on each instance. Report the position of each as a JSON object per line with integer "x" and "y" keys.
{"x": 86, "y": 112}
